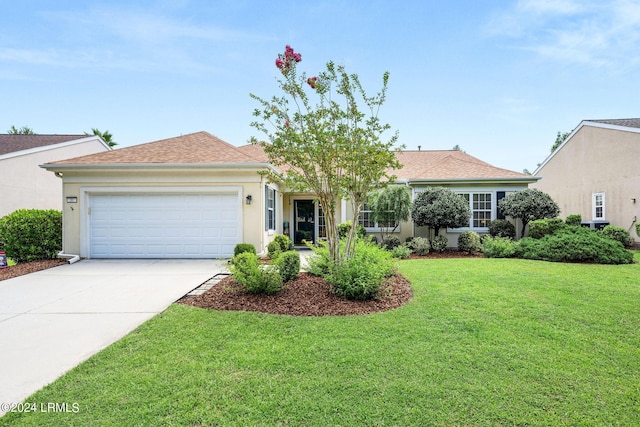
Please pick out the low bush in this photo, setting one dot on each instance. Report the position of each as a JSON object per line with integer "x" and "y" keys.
{"x": 401, "y": 252}
{"x": 318, "y": 263}
{"x": 284, "y": 241}
{"x": 498, "y": 247}
{"x": 242, "y": 248}
{"x": 619, "y": 234}
{"x": 502, "y": 228}
{"x": 420, "y": 245}
{"x": 390, "y": 242}
{"x": 31, "y": 234}
{"x": 541, "y": 227}
{"x": 362, "y": 277}
{"x": 574, "y": 220}
{"x": 273, "y": 249}
{"x": 638, "y": 229}
{"x": 256, "y": 278}
{"x": 289, "y": 265}
{"x": 469, "y": 241}
{"x": 345, "y": 227}
{"x": 439, "y": 243}
{"x": 574, "y": 244}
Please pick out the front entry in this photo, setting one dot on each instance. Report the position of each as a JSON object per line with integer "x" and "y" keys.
{"x": 303, "y": 221}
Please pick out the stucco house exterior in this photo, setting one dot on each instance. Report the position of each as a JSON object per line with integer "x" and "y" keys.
{"x": 595, "y": 173}
{"x": 26, "y": 186}
{"x": 196, "y": 196}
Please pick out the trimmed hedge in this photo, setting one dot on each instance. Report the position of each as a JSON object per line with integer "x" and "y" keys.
{"x": 502, "y": 228}
{"x": 31, "y": 234}
{"x": 244, "y": 247}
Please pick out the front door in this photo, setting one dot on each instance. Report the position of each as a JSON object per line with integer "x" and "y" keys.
{"x": 304, "y": 221}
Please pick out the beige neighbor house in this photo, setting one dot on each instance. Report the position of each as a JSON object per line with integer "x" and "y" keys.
{"x": 26, "y": 186}
{"x": 595, "y": 172}
{"x": 196, "y": 196}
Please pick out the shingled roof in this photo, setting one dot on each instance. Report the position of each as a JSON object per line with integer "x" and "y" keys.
{"x": 199, "y": 147}
{"x": 12, "y": 143}
{"x": 630, "y": 123}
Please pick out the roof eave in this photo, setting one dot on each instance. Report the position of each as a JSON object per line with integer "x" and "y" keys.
{"x": 514, "y": 180}
{"x": 150, "y": 166}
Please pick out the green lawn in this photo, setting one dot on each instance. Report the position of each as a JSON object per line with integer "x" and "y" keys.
{"x": 484, "y": 342}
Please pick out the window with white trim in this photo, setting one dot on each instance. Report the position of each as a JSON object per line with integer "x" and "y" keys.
{"x": 598, "y": 206}
{"x": 270, "y": 208}
{"x": 366, "y": 221}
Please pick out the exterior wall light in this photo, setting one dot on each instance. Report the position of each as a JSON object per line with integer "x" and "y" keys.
{"x": 248, "y": 199}
{"x": 633, "y": 200}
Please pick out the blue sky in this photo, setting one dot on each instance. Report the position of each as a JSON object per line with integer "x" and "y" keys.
{"x": 497, "y": 78}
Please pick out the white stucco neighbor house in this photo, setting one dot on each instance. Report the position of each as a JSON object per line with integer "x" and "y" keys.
{"x": 595, "y": 172}
{"x": 196, "y": 196}
{"x": 23, "y": 184}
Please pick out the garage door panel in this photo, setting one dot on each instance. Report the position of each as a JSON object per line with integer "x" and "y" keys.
{"x": 163, "y": 225}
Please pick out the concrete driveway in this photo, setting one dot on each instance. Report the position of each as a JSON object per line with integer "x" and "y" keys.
{"x": 52, "y": 320}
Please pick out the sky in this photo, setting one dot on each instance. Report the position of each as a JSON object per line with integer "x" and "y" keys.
{"x": 499, "y": 79}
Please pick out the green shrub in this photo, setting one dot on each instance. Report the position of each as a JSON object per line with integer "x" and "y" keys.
{"x": 619, "y": 234}
{"x": 498, "y": 247}
{"x": 469, "y": 241}
{"x": 345, "y": 227}
{"x": 439, "y": 243}
{"x": 638, "y": 229}
{"x": 420, "y": 245}
{"x": 390, "y": 242}
{"x": 362, "y": 277}
{"x": 318, "y": 263}
{"x": 274, "y": 250}
{"x": 574, "y": 244}
{"x": 502, "y": 228}
{"x": 289, "y": 265}
{"x": 574, "y": 220}
{"x": 244, "y": 247}
{"x": 284, "y": 241}
{"x": 541, "y": 227}
{"x": 31, "y": 234}
{"x": 401, "y": 252}
{"x": 255, "y": 278}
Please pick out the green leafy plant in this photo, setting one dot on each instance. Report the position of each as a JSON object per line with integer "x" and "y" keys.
{"x": 469, "y": 241}
{"x": 638, "y": 228}
{"x": 345, "y": 227}
{"x": 401, "y": 252}
{"x": 256, "y": 278}
{"x": 284, "y": 241}
{"x": 498, "y": 247}
{"x": 502, "y": 228}
{"x": 318, "y": 264}
{"x": 274, "y": 249}
{"x": 389, "y": 206}
{"x": 390, "y": 242}
{"x": 31, "y": 234}
{"x": 528, "y": 205}
{"x": 244, "y": 247}
{"x": 619, "y": 234}
{"x": 541, "y": 227}
{"x": 439, "y": 243}
{"x": 574, "y": 220}
{"x": 289, "y": 265}
{"x": 439, "y": 207}
{"x": 420, "y": 245}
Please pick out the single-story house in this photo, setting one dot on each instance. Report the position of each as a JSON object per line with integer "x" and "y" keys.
{"x": 197, "y": 196}
{"x": 26, "y": 186}
{"x": 595, "y": 173}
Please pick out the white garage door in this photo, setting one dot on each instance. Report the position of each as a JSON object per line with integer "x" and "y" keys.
{"x": 163, "y": 225}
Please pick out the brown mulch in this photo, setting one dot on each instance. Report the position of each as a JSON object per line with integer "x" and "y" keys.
{"x": 307, "y": 295}
{"x": 29, "y": 267}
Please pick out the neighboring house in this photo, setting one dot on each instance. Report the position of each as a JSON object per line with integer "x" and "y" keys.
{"x": 595, "y": 173}
{"x": 196, "y": 196}
{"x": 22, "y": 183}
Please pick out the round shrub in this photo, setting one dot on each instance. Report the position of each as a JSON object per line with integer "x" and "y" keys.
{"x": 439, "y": 243}
{"x": 618, "y": 233}
{"x": 390, "y": 242}
{"x": 31, "y": 234}
{"x": 361, "y": 277}
{"x": 244, "y": 247}
{"x": 541, "y": 227}
{"x": 289, "y": 265}
{"x": 498, "y": 247}
{"x": 420, "y": 245}
{"x": 502, "y": 228}
{"x": 255, "y": 278}
{"x": 401, "y": 252}
{"x": 284, "y": 241}
{"x": 574, "y": 220}
{"x": 274, "y": 250}
{"x": 469, "y": 241}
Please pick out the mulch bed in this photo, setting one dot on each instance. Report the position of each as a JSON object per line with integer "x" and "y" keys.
{"x": 307, "y": 295}
{"x": 29, "y": 267}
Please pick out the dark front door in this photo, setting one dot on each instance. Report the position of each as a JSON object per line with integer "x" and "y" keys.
{"x": 303, "y": 221}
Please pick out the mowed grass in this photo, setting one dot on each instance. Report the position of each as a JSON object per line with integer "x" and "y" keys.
{"x": 484, "y": 342}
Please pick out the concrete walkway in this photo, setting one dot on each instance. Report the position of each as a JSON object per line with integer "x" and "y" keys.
{"x": 52, "y": 320}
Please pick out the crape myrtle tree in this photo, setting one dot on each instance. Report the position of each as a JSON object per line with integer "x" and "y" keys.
{"x": 325, "y": 130}
{"x": 439, "y": 207}
{"x": 389, "y": 206}
{"x": 528, "y": 205}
